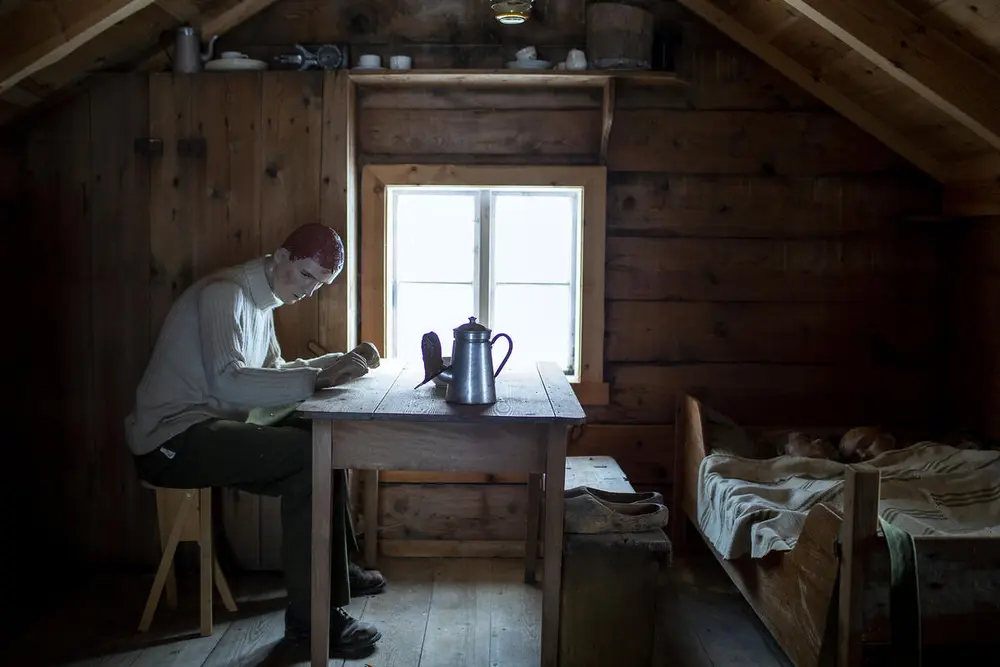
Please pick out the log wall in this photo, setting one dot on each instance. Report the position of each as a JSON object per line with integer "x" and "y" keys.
{"x": 759, "y": 252}
{"x": 974, "y": 322}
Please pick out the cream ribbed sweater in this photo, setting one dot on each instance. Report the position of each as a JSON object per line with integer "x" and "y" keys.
{"x": 217, "y": 356}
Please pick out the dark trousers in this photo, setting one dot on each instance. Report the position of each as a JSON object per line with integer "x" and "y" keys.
{"x": 271, "y": 461}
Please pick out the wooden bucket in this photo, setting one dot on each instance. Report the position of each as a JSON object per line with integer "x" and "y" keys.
{"x": 619, "y": 36}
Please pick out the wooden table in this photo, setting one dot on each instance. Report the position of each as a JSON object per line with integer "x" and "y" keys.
{"x": 382, "y": 423}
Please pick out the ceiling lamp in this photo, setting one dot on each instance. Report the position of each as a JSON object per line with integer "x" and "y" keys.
{"x": 512, "y": 12}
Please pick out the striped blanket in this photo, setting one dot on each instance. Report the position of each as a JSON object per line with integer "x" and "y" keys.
{"x": 754, "y": 506}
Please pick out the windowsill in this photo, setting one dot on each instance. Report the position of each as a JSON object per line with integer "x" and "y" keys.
{"x": 592, "y": 393}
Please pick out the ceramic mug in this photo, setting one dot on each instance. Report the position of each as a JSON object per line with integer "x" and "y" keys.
{"x": 400, "y": 62}
{"x": 576, "y": 60}
{"x": 527, "y": 53}
{"x": 370, "y": 60}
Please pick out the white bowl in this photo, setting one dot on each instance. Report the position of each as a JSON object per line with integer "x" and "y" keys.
{"x": 529, "y": 64}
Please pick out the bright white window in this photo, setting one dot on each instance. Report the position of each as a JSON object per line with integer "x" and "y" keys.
{"x": 509, "y": 256}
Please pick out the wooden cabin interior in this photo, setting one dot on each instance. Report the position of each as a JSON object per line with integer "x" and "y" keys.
{"x": 792, "y": 214}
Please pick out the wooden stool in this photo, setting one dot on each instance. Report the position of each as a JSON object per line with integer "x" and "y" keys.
{"x": 185, "y": 515}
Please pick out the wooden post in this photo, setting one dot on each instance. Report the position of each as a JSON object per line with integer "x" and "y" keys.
{"x": 534, "y": 519}
{"x": 370, "y": 490}
{"x": 555, "y": 479}
{"x": 858, "y": 531}
{"x": 322, "y": 497}
{"x": 207, "y": 555}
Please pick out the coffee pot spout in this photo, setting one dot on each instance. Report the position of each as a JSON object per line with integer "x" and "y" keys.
{"x": 209, "y": 51}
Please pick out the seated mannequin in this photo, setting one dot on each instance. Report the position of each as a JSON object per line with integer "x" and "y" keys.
{"x": 213, "y": 406}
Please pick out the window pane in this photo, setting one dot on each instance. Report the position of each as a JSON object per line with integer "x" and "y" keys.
{"x": 533, "y": 238}
{"x": 435, "y": 237}
{"x": 537, "y": 318}
{"x": 428, "y": 307}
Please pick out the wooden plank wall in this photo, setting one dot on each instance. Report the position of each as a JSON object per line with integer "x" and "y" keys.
{"x": 24, "y": 582}
{"x": 756, "y": 250}
{"x": 241, "y": 165}
{"x": 974, "y": 324}
{"x": 86, "y": 203}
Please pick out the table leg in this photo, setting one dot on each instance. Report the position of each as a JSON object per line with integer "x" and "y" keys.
{"x": 370, "y": 490}
{"x": 555, "y": 479}
{"x": 534, "y": 514}
{"x": 322, "y": 510}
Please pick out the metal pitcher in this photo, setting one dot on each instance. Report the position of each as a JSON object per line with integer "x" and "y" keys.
{"x": 188, "y": 55}
{"x": 470, "y": 379}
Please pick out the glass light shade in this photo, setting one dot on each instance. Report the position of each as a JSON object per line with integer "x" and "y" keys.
{"x": 512, "y": 12}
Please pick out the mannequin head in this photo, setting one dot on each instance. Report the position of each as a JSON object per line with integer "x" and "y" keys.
{"x": 311, "y": 256}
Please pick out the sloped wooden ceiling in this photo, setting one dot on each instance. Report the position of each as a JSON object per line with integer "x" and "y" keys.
{"x": 48, "y": 46}
{"x": 921, "y": 75}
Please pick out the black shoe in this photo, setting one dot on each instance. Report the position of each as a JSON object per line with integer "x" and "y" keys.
{"x": 349, "y": 637}
{"x": 365, "y": 582}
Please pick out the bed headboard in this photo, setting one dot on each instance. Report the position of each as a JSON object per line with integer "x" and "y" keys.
{"x": 689, "y": 450}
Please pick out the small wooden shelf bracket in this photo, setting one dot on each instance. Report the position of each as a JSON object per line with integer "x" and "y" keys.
{"x": 607, "y": 118}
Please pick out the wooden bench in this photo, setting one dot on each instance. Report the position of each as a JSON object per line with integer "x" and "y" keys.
{"x": 612, "y": 585}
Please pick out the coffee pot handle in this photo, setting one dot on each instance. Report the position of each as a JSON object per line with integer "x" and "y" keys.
{"x": 510, "y": 348}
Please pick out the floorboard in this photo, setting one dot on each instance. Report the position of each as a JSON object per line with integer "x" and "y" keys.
{"x": 516, "y": 621}
{"x": 435, "y": 613}
{"x": 458, "y": 624}
{"x": 401, "y": 612}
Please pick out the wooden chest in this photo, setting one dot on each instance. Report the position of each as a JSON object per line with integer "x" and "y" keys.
{"x": 612, "y": 584}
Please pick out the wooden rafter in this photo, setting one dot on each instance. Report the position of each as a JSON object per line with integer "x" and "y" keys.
{"x": 915, "y": 55}
{"x": 37, "y": 34}
{"x": 777, "y": 59}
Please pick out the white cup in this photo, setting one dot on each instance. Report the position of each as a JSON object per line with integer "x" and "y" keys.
{"x": 527, "y": 53}
{"x": 400, "y": 62}
{"x": 370, "y": 60}
{"x": 576, "y": 60}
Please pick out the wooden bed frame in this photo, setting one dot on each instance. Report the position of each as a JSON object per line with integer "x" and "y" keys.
{"x": 827, "y": 599}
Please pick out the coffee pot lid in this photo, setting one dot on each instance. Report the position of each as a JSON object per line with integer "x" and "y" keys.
{"x": 471, "y": 326}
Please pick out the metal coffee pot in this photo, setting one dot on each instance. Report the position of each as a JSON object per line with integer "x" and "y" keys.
{"x": 188, "y": 56}
{"x": 470, "y": 379}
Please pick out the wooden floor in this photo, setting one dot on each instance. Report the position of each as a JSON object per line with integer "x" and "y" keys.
{"x": 447, "y": 612}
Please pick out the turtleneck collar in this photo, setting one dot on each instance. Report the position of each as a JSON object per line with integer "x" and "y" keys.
{"x": 260, "y": 290}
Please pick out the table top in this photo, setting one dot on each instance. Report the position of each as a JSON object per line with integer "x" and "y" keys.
{"x": 532, "y": 394}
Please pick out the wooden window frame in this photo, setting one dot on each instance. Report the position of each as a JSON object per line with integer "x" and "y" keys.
{"x": 376, "y": 178}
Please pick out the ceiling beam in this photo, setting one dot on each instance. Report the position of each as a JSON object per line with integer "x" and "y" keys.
{"x": 972, "y": 198}
{"x": 37, "y": 34}
{"x": 777, "y": 59}
{"x": 917, "y": 56}
{"x": 217, "y": 23}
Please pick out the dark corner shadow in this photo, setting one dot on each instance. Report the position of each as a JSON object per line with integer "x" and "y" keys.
{"x": 170, "y": 627}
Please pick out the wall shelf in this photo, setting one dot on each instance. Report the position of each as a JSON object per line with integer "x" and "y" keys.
{"x": 507, "y": 77}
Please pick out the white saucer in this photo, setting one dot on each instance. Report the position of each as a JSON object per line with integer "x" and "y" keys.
{"x": 235, "y": 65}
{"x": 529, "y": 64}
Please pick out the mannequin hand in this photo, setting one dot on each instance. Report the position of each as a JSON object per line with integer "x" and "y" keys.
{"x": 351, "y": 366}
{"x": 369, "y": 352}
{"x": 326, "y": 360}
